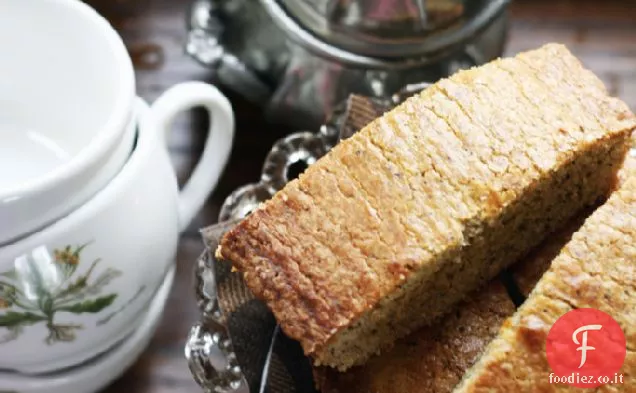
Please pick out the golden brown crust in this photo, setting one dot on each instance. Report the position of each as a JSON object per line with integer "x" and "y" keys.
{"x": 432, "y": 359}
{"x": 596, "y": 269}
{"x": 359, "y": 222}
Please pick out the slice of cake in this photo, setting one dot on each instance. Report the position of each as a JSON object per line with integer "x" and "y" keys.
{"x": 433, "y": 359}
{"x": 596, "y": 269}
{"x": 398, "y": 223}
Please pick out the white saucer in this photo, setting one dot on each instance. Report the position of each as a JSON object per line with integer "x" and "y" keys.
{"x": 93, "y": 376}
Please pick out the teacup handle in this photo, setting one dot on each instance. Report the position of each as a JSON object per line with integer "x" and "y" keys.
{"x": 216, "y": 151}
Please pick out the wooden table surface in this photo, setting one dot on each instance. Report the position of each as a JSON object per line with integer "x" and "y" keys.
{"x": 601, "y": 32}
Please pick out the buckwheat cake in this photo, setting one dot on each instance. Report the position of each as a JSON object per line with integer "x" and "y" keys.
{"x": 596, "y": 269}
{"x": 433, "y": 359}
{"x": 396, "y": 224}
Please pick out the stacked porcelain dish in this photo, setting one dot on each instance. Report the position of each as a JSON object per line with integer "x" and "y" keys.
{"x": 90, "y": 209}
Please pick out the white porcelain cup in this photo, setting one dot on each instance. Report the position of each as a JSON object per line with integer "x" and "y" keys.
{"x": 67, "y": 90}
{"x": 77, "y": 287}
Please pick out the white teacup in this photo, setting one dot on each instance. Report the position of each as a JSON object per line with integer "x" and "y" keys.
{"x": 77, "y": 287}
{"x": 67, "y": 90}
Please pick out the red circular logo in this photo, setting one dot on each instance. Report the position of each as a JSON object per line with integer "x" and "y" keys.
{"x": 586, "y": 348}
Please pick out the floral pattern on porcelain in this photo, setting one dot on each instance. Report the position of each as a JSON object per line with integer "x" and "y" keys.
{"x": 41, "y": 285}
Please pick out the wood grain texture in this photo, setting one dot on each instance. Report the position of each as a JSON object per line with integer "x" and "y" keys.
{"x": 601, "y": 32}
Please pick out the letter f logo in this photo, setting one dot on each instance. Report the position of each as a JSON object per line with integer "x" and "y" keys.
{"x": 583, "y": 344}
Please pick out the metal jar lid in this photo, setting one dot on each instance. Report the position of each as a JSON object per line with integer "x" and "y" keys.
{"x": 384, "y": 29}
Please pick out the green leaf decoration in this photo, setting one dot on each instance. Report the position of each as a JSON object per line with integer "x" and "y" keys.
{"x": 53, "y": 286}
{"x": 110, "y": 316}
{"x": 88, "y": 290}
{"x": 12, "y": 318}
{"x": 45, "y": 304}
{"x": 11, "y": 275}
{"x": 90, "y": 306}
{"x": 72, "y": 288}
{"x": 102, "y": 281}
{"x": 7, "y": 290}
{"x": 79, "y": 284}
{"x": 67, "y": 270}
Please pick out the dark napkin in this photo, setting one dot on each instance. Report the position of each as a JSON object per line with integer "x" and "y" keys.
{"x": 269, "y": 360}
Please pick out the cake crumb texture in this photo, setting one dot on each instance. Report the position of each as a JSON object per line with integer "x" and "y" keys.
{"x": 434, "y": 358}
